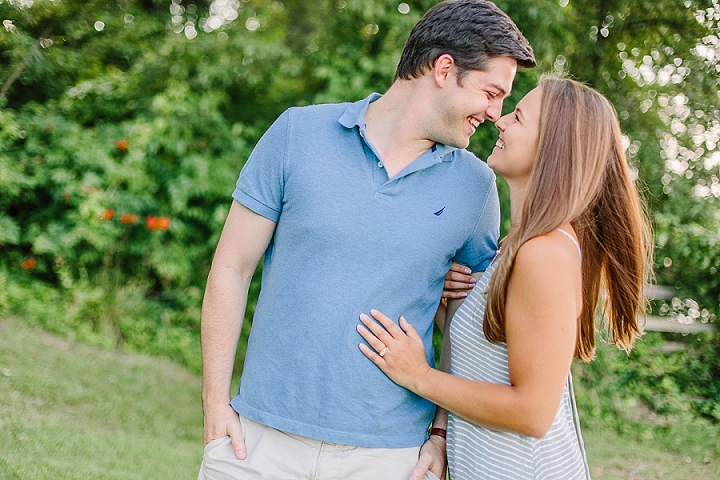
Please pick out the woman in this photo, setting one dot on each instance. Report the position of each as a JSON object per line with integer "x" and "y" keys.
{"x": 578, "y": 233}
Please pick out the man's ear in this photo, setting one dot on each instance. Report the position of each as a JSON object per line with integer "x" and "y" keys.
{"x": 443, "y": 69}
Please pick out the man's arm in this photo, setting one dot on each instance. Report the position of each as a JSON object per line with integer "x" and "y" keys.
{"x": 244, "y": 239}
{"x": 433, "y": 454}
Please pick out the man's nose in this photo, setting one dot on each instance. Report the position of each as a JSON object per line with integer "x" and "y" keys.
{"x": 493, "y": 111}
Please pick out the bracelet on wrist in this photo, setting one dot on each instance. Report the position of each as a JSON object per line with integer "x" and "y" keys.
{"x": 438, "y": 432}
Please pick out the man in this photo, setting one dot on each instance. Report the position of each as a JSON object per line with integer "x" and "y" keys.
{"x": 353, "y": 206}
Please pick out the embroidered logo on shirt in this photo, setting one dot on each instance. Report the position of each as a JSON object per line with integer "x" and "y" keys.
{"x": 439, "y": 212}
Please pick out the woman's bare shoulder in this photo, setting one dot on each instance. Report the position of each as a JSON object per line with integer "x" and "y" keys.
{"x": 547, "y": 252}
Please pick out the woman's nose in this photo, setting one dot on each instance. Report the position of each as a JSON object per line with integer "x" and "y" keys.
{"x": 501, "y": 123}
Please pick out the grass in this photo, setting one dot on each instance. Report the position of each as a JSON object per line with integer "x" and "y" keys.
{"x": 612, "y": 457}
{"x": 73, "y": 411}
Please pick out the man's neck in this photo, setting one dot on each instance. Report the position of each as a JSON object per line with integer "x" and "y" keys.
{"x": 394, "y": 125}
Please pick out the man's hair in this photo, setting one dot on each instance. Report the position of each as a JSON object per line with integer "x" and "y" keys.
{"x": 471, "y": 31}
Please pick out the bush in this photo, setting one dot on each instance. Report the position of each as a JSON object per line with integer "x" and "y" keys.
{"x": 665, "y": 389}
{"x": 120, "y": 152}
{"x": 120, "y": 147}
{"x": 118, "y": 221}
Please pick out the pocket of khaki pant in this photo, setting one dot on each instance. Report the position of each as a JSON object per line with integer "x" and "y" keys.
{"x": 431, "y": 476}
{"x": 214, "y": 443}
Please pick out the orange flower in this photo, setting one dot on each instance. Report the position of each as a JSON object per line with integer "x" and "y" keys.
{"x": 108, "y": 214}
{"x": 128, "y": 218}
{"x": 163, "y": 223}
{"x": 28, "y": 264}
{"x": 152, "y": 223}
{"x": 122, "y": 144}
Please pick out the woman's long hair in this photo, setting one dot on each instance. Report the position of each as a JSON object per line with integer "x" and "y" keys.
{"x": 581, "y": 175}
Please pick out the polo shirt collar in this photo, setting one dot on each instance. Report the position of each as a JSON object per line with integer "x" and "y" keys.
{"x": 354, "y": 116}
{"x": 442, "y": 150}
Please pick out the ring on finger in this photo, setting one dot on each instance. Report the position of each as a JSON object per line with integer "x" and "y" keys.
{"x": 383, "y": 352}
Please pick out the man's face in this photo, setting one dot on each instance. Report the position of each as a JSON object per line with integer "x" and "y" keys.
{"x": 464, "y": 105}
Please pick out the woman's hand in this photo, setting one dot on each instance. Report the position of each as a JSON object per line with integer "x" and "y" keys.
{"x": 458, "y": 281}
{"x": 398, "y": 351}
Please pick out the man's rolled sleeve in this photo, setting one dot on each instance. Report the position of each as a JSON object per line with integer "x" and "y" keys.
{"x": 261, "y": 184}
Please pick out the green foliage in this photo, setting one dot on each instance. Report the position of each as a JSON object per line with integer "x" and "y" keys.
{"x": 662, "y": 390}
{"x": 117, "y": 194}
{"x": 149, "y": 109}
{"x": 657, "y": 62}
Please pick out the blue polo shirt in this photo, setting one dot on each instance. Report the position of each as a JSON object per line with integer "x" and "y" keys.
{"x": 349, "y": 239}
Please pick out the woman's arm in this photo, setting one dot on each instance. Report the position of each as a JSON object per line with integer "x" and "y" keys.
{"x": 543, "y": 303}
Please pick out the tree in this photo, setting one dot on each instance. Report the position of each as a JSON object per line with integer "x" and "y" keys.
{"x": 150, "y": 107}
{"x": 657, "y": 62}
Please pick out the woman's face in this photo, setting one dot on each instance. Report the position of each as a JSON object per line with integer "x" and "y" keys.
{"x": 514, "y": 153}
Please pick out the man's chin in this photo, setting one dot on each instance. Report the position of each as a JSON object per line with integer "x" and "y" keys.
{"x": 456, "y": 143}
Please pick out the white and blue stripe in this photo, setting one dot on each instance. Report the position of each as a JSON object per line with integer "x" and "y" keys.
{"x": 477, "y": 453}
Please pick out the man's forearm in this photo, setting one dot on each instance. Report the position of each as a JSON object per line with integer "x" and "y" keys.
{"x": 441, "y": 415}
{"x": 223, "y": 311}
{"x": 244, "y": 239}
{"x": 441, "y": 419}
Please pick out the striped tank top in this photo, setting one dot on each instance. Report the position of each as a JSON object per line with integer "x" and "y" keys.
{"x": 476, "y": 453}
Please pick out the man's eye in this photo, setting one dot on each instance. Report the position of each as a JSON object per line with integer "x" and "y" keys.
{"x": 492, "y": 95}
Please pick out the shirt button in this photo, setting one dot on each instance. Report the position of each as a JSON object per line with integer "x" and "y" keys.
{"x": 380, "y": 164}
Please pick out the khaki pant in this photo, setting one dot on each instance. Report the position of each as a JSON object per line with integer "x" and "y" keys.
{"x": 276, "y": 455}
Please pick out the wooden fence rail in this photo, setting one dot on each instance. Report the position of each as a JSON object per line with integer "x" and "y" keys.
{"x": 666, "y": 324}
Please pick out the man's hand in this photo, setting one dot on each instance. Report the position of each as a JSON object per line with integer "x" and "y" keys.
{"x": 458, "y": 281}
{"x": 432, "y": 457}
{"x": 221, "y": 420}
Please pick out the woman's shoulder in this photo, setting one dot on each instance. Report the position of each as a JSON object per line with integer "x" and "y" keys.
{"x": 549, "y": 251}
{"x": 548, "y": 275}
